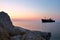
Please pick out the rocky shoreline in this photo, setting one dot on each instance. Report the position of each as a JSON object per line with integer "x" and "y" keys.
{"x": 10, "y": 32}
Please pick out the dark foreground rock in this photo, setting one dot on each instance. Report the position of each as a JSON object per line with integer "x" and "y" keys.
{"x": 10, "y": 32}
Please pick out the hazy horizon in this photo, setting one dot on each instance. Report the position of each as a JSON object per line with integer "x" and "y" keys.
{"x": 31, "y": 9}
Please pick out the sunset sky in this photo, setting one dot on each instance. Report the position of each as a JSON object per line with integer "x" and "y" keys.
{"x": 31, "y": 9}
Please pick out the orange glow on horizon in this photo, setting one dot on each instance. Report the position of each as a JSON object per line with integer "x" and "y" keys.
{"x": 28, "y": 11}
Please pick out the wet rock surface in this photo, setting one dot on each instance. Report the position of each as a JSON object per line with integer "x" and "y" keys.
{"x": 10, "y": 32}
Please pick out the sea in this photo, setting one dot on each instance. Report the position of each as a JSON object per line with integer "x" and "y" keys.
{"x": 54, "y": 27}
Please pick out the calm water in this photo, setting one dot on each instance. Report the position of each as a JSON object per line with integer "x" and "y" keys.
{"x": 54, "y": 28}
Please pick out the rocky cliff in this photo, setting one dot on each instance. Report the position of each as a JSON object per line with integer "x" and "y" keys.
{"x": 10, "y": 32}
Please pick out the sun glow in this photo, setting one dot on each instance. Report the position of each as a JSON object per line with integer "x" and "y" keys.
{"x": 25, "y": 11}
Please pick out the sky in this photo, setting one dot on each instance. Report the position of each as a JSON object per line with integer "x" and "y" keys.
{"x": 31, "y": 9}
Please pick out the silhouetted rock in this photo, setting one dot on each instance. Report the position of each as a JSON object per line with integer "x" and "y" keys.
{"x": 17, "y": 37}
{"x": 3, "y": 34}
{"x": 32, "y": 36}
{"x": 5, "y": 21}
{"x": 45, "y": 35}
{"x": 18, "y": 31}
{"x": 10, "y": 32}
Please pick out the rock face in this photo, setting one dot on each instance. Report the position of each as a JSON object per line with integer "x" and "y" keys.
{"x": 5, "y": 21}
{"x": 3, "y": 34}
{"x": 10, "y": 32}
